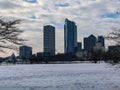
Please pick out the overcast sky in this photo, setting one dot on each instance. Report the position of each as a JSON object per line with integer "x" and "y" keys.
{"x": 91, "y": 16}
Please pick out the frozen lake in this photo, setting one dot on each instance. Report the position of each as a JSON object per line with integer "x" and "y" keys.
{"x": 59, "y": 77}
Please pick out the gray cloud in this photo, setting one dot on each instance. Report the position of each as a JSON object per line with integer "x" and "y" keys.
{"x": 35, "y": 14}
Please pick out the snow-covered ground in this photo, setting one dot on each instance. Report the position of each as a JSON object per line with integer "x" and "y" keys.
{"x": 59, "y": 77}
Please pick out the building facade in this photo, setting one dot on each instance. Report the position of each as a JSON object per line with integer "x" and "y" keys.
{"x": 89, "y": 42}
{"x": 70, "y": 37}
{"x": 79, "y": 46}
{"x": 86, "y": 44}
{"x": 49, "y": 40}
{"x": 101, "y": 40}
{"x": 25, "y": 52}
{"x": 99, "y": 47}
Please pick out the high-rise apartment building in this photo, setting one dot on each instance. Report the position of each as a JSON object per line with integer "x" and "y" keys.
{"x": 49, "y": 40}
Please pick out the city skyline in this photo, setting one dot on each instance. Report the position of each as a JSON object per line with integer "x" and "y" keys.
{"x": 91, "y": 16}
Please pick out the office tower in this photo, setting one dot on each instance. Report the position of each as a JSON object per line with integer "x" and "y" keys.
{"x": 25, "y": 52}
{"x": 86, "y": 44}
{"x": 79, "y": 46}
{"x": 70, "y": 37}
{"x": 92, "y": 41}
{"x": 49, "y": 40}
{"x": 89, "y": 42}
{"x": 101, "y": 40}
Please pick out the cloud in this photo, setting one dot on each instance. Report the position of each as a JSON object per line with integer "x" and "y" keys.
{"x": 7, "y": 5}
{"x": 91, "y": 16}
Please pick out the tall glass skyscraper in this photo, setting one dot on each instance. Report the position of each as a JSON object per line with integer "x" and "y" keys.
{"x": 70, "y": 37}
{"x": 49, "y": 40}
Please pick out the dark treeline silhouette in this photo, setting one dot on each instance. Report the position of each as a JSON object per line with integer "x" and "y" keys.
{"x": 112, "y": 56}
{"x": 94, "y": 57}
{"x": 57, "y": 58}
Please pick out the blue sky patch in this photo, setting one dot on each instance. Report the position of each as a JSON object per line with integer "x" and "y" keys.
{"x": 109, "y": 15}
{"x": 62, "y": 4}
{"x": 33, "y": 17}
{"x": 30, "y": 1}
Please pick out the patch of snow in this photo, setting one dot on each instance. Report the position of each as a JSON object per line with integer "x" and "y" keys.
{"x": 59, "y": 77}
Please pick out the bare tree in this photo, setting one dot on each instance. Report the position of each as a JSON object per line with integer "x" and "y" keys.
{"x": 9, "y": 35}
{"x": 114, "y": 35}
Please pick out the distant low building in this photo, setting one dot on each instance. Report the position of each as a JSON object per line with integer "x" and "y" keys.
{"x": 79, "y": 46}
{"x": 99, "y": 46}
{"x": 82, "y": 54}
{"x": 40, "y": 54}
{"x": 114, "y": 48}
{"x": 12, "y": 58}
{"x": 25, "y": 52}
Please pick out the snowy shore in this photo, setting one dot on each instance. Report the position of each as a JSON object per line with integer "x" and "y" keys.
{"x": 59, "y": 77}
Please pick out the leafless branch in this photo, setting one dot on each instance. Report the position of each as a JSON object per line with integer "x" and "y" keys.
{"x": 9, "y": 35}
{"x": 114, "y": 35}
